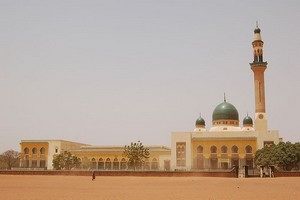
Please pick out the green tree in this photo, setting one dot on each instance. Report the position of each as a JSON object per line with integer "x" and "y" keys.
{"x": 65, "y": 161}
{"x": 286, "y": 155}
{"x": 265, "y": 156}
{"x": 9, "y": 159}
{"x": 283, "y": 155}
{"x": 136, "y": 154}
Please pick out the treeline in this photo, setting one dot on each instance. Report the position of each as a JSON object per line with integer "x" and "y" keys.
{"x": 284, "y": 156}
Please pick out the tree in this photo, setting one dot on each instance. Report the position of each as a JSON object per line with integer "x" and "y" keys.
{"x": 286, "y": 155}
{"x": 9, "y": 159}
{"x": 65, "y": 161}
{"x": 136, "y": 154}
{"x": 283, "y": 155}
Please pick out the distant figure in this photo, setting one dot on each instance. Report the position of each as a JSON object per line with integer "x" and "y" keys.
{"x": 93, "y": 176}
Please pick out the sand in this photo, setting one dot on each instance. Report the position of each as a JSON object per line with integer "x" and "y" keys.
{"x": 13, "y": 187}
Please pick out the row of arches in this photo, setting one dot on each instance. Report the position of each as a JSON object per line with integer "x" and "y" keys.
{"x": 224, "y": 149}
{"x": 116, "y": 164}
{"x": 34, "y": 150}
{"x": 223, "y": 162}
{"x": 26, "y": 163}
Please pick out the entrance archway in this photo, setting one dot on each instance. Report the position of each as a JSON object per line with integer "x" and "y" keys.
{"x": 100, "y": 164}
{"x": 116, "y": 164}
{"x": 199, "y": 158}
{"x": 108, "y": 164}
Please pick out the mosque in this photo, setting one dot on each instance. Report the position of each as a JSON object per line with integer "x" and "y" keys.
{"x": 224, "y": 145}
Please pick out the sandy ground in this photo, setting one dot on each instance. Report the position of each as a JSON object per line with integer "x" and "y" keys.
{"x": 14, "y": 187}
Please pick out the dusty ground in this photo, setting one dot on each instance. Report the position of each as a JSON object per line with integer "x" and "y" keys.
{"x": 14, "y": 187}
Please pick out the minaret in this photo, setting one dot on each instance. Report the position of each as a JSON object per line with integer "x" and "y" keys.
{"x": 258, "y": 67}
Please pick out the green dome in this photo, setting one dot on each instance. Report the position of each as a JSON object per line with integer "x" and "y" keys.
{"x": 247, "y": 120}
{"x": 225, "y": 111}
{"x": 200, "y": 122}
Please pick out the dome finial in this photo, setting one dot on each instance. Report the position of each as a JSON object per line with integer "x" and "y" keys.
{"x": 224, "y": 97}
{"x": 256, "y": 24}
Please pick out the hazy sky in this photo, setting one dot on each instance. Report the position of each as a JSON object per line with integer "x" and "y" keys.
{"x": 112, "y": 72}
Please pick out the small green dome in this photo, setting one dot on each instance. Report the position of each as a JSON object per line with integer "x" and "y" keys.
{"x": 225, "y": 111}
{"x": 200, "y": 122}
{"x": 247, "y": 120}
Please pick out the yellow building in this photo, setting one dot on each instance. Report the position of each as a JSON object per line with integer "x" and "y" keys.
{"x": 38, "y": 154}
{"x": 224, "y": 145}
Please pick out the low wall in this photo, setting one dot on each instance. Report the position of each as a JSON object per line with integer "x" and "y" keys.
{"x": 287, "y": 174}
{"x": 121, "y": 173}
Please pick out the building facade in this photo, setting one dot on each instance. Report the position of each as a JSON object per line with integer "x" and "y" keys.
{"x": 224, "y": 145}
{"x": 38, "y": 154}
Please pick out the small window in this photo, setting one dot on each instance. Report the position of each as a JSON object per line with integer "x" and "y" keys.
{"x": 26, "y": 151}
{"x": 34, "y": 151}
{"x": 42, "y": 150}
{"x": 248, "y": 149}
{"x": 199, "y": 149}
{"x": 224, "y": 149}
{"x": 56, "y": 150}
{"x": 234, "y": 149}
{"x": 213, "y": 149}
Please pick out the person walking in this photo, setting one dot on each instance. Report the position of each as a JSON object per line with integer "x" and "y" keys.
{"x": 93, "y": 176}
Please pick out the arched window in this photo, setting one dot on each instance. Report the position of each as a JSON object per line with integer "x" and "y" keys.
{"x": 116, "y": 164}
{"x": 234, "y": 149}
{"x": 224, "y": 149}
{"x": 154, "y": 164}
{"x": 213, "y": 149}
{"x": 42, "y": 150}
{"x": 147, "y": 165}
{"x": 26, "y": 151}
{"x": 26, "y": 161}
{"x": 107, "y": 164}
{"x": 123, "y": 164}
{"x": 93, "y": 163}
{"x": 34, "y": 151}
{"x": 100, "y": 164}
{"x": 248, "y": 149}
{"x": 199, "y": 149}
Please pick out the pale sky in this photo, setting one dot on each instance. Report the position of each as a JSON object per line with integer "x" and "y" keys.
{"x": 111, "y": 72}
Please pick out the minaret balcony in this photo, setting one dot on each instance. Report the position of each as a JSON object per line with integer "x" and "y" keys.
{"x": 258, "y": 64}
